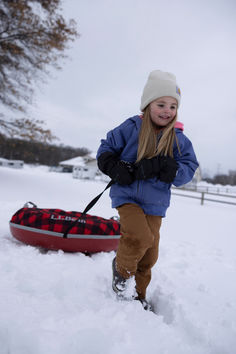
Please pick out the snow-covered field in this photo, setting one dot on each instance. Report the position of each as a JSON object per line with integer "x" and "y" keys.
{"x": 53, "y": 302}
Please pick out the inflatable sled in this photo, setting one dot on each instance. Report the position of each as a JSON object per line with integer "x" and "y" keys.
{"x": 56, "y": 229}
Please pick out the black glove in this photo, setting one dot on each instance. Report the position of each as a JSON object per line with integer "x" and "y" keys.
{"x": 147, "y": 168}
{"x": 122, "y": 173}
{"x": 119, "y": 171}
{"x": 168, "y": 169}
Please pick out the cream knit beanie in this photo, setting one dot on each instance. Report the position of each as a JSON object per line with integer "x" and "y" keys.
{"x": 159, "y": 84}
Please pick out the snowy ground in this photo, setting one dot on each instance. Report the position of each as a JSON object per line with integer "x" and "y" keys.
{"x": 53, "y": 302}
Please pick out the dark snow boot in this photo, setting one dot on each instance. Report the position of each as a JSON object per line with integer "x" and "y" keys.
{"x": 118, "y": 282}
{"x": 144, "y": 303}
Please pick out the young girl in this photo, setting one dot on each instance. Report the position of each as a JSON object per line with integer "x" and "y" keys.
{"x": 144, "y": 156}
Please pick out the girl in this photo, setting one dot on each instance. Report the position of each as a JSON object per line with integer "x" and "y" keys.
{"x": 144, "y": 156}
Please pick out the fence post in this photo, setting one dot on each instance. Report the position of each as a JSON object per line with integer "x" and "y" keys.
{"x": 202, "y": 198}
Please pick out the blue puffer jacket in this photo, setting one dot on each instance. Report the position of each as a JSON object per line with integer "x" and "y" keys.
{"x": 152, "y": 195}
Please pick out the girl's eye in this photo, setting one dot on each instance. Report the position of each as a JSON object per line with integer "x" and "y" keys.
{"x": 161, "y": 105}
{"x": 173, "y": 107}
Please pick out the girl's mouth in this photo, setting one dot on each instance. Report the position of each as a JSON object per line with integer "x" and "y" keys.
{"x": 164, "y": 117}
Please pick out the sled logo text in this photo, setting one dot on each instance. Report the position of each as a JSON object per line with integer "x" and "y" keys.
{"x": 67, "y": 218}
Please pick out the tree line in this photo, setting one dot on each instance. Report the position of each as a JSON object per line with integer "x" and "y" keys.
{"x": 37, "y": 152}
{"x": 223, "y": 179}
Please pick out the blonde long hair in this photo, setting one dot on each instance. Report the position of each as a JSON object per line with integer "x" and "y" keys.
{"x": 148, "y": 144}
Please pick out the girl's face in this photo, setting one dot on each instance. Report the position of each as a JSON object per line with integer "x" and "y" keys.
{"x": 163, "y": 110}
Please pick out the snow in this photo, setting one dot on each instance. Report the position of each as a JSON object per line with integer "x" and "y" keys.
{"x": 56, "y": 302}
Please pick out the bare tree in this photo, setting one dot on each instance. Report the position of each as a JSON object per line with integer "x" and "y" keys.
{"x": 27, "y": 129}
{"x": 33, "y": 37}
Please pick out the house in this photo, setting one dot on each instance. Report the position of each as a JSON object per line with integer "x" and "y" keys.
{"x": 11, "y": 163}
{"x": 88, "y": 170}
{"x": 68, "y": 165}
{"x": 197, "y": 176}
{"x": 196, "y": 179}
{"x": 83, "y": 167}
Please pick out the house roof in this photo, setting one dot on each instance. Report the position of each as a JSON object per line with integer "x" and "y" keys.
{"x": 75, "y": 161}
{"x": 92, "y": 155}
{"x": 79, "y": 160}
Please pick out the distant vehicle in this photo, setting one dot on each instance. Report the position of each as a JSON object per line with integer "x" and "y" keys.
{"x": 11, "y": 163}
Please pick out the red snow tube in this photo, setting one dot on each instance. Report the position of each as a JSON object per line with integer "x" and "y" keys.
{"x": 47, "y": 228}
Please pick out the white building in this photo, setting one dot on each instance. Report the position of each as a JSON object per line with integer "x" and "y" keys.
{"x": 197, "y": 176}
{"x": 83, "y": 167}
{"x": 11, "y": 163}
{"x": 86, "y": 171}
{"x": 196, "y": 179}
{"x": 68, "y": 165}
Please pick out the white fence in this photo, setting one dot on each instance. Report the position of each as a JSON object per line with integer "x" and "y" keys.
{"x": 209, "y": 195}
{"x": 217, "y": 189}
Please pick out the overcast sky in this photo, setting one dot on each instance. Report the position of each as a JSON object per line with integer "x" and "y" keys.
{"x": 120, "y": 43}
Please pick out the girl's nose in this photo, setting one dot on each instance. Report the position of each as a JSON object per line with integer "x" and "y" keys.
{"x": 167, "y": 109}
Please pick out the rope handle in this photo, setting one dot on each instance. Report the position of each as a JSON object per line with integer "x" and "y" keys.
{"x": 88, "y": 207}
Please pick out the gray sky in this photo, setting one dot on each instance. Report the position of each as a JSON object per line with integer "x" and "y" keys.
{"x": 121, "y": 42}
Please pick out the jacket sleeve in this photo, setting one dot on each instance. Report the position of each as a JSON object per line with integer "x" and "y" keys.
{"x": 116, "y": 139}
{"x": 186, "y": 160}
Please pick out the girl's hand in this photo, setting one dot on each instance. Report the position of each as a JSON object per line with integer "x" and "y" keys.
{"x": 119, "y": 171}
{"x": 122, "y": 173}
{"x": 147, "y": 168}
{"x": 168, "y": 169}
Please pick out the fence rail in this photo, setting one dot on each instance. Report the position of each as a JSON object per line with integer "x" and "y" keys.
{"x": 211, "y": 189}
{"x": 202, "y": 196}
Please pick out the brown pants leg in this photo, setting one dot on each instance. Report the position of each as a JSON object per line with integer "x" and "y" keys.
{"x": 138, "y": 247}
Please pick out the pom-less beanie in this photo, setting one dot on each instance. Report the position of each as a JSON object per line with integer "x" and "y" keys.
{"x": 159, "y": 84}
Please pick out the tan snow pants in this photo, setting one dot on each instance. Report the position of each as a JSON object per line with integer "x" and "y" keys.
{"x": 138, "y": 246}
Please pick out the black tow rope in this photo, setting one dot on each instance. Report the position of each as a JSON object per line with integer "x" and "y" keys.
{"x": 88, "y": 207}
